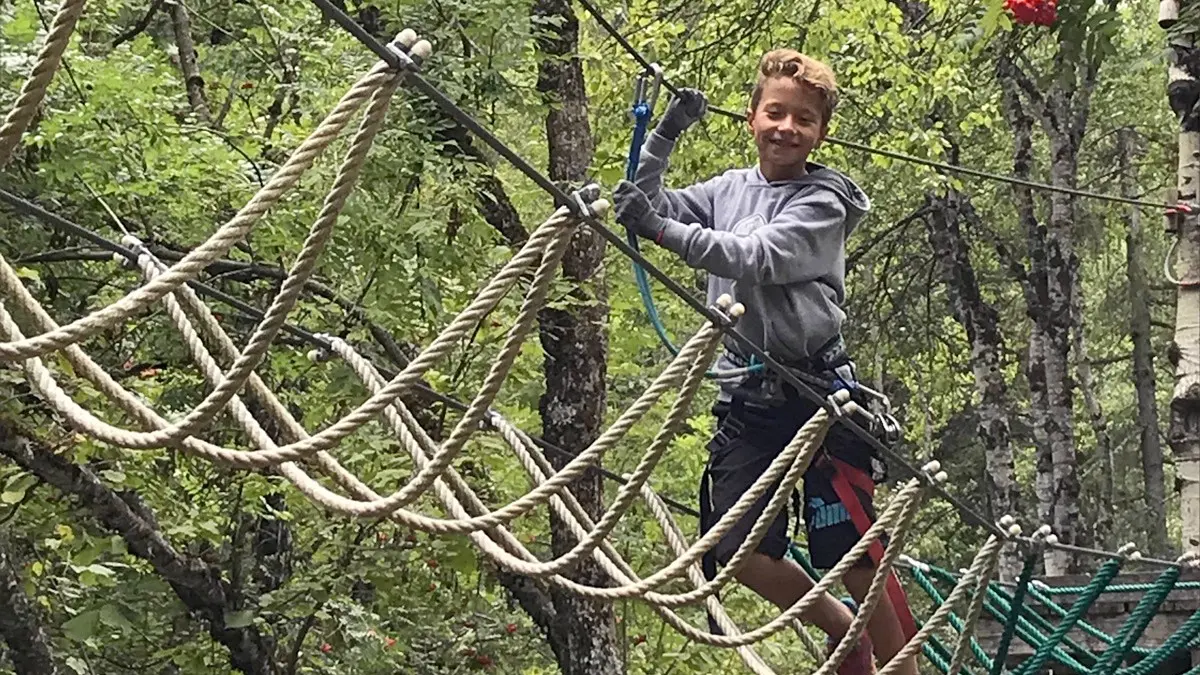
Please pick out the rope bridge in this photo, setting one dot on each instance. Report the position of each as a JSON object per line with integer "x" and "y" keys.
{"x": 299, "y": 455}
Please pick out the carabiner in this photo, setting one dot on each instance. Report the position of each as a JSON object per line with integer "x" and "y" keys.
{"x": 886, "y": 428}
{"x": 643, "y": 85}
{"x": 639, "y": 91}
{"x": 658, "y": 78}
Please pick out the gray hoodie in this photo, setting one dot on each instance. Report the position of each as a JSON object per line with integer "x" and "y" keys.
{"x": 776, "y": 247}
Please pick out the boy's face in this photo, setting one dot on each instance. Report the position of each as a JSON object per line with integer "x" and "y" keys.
{"x": 787, "y": 126}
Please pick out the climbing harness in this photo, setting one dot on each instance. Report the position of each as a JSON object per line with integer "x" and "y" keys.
{"x": 847, "y": 478}
{"x": 831, "y": 370}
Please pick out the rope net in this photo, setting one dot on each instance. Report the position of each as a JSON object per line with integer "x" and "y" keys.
{"x": 28, "y": 334}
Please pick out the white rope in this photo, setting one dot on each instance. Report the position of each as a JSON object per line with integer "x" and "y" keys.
{"x": 34, "y": 89}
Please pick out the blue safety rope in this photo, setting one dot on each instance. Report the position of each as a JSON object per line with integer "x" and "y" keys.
{"x": 642, "y": 111}
{"x": 641, "y": 121}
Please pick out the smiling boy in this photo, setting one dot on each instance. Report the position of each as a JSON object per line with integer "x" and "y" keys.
{"x": 773, "y": 236}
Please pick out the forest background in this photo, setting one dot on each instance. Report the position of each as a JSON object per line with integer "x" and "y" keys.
{"x": 1024, "y": 337}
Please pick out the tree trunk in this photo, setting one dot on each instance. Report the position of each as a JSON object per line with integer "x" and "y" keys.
{"x": 575, "y": 342}
{"x": 1154, "y": 490}
{"x": 982, "y": 325}
{"x": 1062, "y": 271}
{"x": 197, "y": 583}
{"x": 1033, "y": 286}
{"x": 1183, "y": 92}
{"x": 1049, "y": 288}
{"x": 182, "y": 25}
{"x": 1035, "y": 373}
{"x": 21, "y": 623}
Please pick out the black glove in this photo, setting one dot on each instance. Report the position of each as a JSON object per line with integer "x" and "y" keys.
{"x": 685, "y": 109}
{"x": 633, "y": 210}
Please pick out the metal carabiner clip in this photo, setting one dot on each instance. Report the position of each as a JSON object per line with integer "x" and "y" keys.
{"x": 645, "y": 89}
{"x": 639, "y": 90}
{"x": 886, "y": 428}
{"x": 656, "y": 85}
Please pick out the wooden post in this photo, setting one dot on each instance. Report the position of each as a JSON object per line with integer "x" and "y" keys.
{"x": 1183, "y": 91}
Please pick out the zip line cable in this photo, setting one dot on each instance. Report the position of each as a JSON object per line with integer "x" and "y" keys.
{"x": 861, "y": 147}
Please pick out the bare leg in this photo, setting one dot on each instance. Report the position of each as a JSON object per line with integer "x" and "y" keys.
{"x": 883, "y": 626}
{"x": 783, "y": 582}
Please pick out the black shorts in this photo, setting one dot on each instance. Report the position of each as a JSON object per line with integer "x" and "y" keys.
{"x": 747, "y": 440}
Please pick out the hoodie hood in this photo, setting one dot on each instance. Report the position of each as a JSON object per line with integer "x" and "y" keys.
{"x": 856, "y": 201}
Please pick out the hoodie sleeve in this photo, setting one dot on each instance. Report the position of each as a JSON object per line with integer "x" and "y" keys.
{"x": 692, "y": 204}
{"x": 803, "y": 242}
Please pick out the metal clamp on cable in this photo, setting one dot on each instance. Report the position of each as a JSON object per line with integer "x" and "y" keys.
{"x": 886, "y": 428}
{"x": 883, "y": 425}
{"x": 586, "y": 204}
{"x": 582, "y": 208}
{"x": 323, "y": 353}
{"x": 728, "y": 310}
{"x": 409, "y": 50}
{"x": 137, "y": 246}
{"x": 134, "y": 243}
{"x": 842, "y": 403}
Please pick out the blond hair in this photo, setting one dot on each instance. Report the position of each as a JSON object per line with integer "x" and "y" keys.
{"x": 799, "y": 67}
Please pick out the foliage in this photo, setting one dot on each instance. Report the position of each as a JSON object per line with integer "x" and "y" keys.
{"x": 412, "y": 248}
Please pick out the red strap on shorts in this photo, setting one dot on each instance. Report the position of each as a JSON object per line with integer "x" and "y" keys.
{"x": 846, "y": 477}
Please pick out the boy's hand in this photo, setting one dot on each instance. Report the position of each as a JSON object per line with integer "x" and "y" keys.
{"x": 685, "y": 109}
{"x": 634, "y": 211}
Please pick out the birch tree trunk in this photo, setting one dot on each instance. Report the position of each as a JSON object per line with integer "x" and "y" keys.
{"x": 1052, "y": 282}
{"x": 982, "y": 325}
{"x": 1149, "y": 444}
{"x": 575, "y": 341}
{"x": 1062, "y": 284}
{"x": 1183, "y": 91}
{"x": 1034, "y": 283}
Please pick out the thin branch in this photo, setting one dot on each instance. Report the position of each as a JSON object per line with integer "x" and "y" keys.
{"x": 899, "y": 226}
{"x": 139, "y": 27}
{"x": 193, "y": 82}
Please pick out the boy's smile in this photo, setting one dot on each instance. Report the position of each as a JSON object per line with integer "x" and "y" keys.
{"x": 787, "y": 125}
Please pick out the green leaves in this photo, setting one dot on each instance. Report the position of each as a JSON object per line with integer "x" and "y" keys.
{"x": 83, "y": 626}
{"x": 239, "y": 619}
{"x": 88, "y": 624}
{"x": 995, "y": 18}
{"x": 16, "y": 487}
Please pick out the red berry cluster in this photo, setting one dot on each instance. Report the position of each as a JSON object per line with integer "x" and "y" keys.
{"x": 1035, "y": 12}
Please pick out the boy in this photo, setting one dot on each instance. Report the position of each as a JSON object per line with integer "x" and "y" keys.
{"x": 773, "y": 237}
